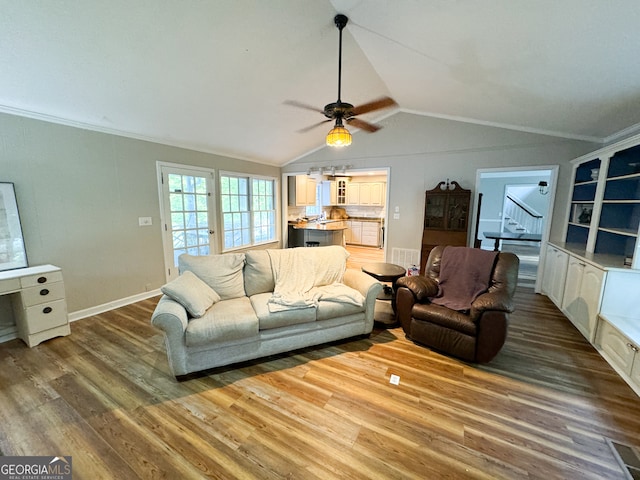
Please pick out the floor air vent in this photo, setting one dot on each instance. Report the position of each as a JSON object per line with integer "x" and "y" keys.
{"x": 628, "y": 457}
{"x": 405, "y": 257}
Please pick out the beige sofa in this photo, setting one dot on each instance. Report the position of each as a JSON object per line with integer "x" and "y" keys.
{"x": 229, "y": 308}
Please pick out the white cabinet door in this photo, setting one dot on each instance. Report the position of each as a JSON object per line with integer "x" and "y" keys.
{"x": 329, "y": 193}
{"x": 635, "y": 368}
{"x": 302, "y": 191}
{"x": 347, "y": 232}
{"x": 356, "y": 232}
{"x": 582, "y": 295}
{"x": 591, "y": 295}
{"x": 365, "y": 194}
{"x": 353, "y": 193}
{"x": 570, "y": 300}
{"x": 616, "y": 346}
{"x": 377, "y": 194}
{"x": 554, "y": 275}
{"x": 341, "y": 192}
{"x": 371, "y": 234}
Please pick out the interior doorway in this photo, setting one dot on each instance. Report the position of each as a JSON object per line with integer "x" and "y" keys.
{"x": 516, "y": 200}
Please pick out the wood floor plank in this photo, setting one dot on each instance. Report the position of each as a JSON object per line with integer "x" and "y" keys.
{"x": 542, "y": 409}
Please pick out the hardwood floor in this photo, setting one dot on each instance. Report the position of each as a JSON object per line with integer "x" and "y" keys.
{"x": 361, "y": 255}
{"x": 542, "y": 409}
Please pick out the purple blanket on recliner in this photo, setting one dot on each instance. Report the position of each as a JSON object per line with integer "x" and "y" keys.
{"x": 464, "y": 274}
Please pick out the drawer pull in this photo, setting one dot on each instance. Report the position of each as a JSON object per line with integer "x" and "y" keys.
{"x": 47, "y": 310}
{"x": 42, "y": 279}
{"x": 632, "y": 347}
{"x": 44, "y": 292}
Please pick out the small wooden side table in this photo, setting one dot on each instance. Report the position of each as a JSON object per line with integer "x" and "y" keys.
{"x": 386, "y": 272}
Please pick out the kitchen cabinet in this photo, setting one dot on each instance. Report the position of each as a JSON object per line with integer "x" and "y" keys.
{"x": 371, "y": 234}
{"x": 353, "y": 193}
{"x": 355, "y": 234}
{"x": 341, "y": 191}
{"x": 554, "y": 274}
{"x": 372, "y": 194}
{"x": 582, "y": 295}
{"x": 365, "y": 193}
{"x": 363, "y": 232}
{"x": 329, "y": 194}
{"x": 302, "y": 191}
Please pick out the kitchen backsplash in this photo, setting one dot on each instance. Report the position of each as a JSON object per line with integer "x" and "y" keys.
{"x": 353, "y": 211}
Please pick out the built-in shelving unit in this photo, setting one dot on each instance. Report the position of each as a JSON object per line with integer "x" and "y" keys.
{"x": 585, "y": 185}
{"x": 599, "y": 261}
{"x": 620, "y": 211}
{"x": 604, "y": 213}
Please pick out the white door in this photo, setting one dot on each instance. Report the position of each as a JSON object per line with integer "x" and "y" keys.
{"x": 187, "y": 214}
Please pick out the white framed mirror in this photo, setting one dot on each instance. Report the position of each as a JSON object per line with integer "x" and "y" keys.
{"x": 12, "y": 251}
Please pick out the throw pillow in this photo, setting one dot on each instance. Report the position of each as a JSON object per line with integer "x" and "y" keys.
{"x": 192, "y": 293}
{"x": 223, "y": 272}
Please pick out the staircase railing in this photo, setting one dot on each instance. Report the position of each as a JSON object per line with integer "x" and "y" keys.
{"x": 520, "y": 217}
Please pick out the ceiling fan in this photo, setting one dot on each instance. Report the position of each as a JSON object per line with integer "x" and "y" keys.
{"x": 341, "y": 111}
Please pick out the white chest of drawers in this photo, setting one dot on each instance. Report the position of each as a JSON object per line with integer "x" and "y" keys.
{"x": 39, "y": 303}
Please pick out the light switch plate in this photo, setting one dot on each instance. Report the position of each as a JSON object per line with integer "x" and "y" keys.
{"x": 144, "y": 221}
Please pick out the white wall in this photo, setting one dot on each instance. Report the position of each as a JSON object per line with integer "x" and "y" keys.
{"x": 422, "y": 151}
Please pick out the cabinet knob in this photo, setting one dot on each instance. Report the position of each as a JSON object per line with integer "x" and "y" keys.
{"x": 47, "y": 310}
{"x": 42, "y": 279}
{"x": 632, "y": 347}
{"x": 44, "y": 291}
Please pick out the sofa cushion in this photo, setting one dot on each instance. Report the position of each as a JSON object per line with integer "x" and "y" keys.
{"x": 327, "y": 309}
{"x": 258, "y": 276}
{"x": 281, "y": 318}
{"x": 192, "y": 293}
{"x": 223, "y": 272}
{"x": 444, "y": 317}
{"x": 226, "y": 320}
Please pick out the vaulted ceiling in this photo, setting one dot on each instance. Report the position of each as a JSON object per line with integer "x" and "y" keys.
{"x": 215, "y": 75}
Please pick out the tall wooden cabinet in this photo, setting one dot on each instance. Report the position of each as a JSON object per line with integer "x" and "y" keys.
{"x": 446, "y": 218}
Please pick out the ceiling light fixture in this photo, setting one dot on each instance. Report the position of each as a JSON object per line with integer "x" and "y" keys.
{"x": 543, "y": 187}
{"x": 339, "y": 136}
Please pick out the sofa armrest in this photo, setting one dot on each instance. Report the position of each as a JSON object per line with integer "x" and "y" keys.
{"x": 171, "y": 317}
{"x": 368, "y": 286}
{"x": 422, "y": 287}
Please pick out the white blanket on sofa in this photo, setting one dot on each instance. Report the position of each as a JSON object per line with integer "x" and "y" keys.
{"x": 304, "y": 276}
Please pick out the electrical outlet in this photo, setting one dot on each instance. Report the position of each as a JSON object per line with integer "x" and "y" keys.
{"x": 396, "y": 216}
{"x": 144, "y": 221}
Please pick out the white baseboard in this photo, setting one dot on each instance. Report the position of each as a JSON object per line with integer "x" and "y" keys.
{"x": 105, "y": 307}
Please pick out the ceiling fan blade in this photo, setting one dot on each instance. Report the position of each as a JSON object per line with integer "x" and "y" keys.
{"x": 383, "y": 102}
{"x": 362, "y": 125}
{"x": 294, "y": 103}
{"x": 311, "y": 127}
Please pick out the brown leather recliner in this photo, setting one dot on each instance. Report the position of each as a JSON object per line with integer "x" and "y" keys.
{"x": 476, "y": 335}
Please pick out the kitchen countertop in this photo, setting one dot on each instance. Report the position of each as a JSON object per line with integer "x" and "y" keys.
{"x": 328, "y": 225}
{"x": 367, "y": 219}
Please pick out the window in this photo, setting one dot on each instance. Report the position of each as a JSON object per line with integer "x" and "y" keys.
{"x": 248, "y": 210}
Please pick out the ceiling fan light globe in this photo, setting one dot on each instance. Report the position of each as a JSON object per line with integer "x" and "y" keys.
{"x": 339, "y": 137}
